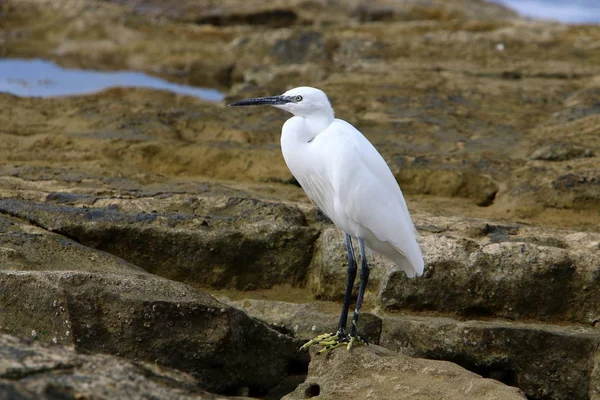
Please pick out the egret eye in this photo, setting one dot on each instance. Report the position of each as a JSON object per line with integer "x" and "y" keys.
{"x": 298, "y": 99}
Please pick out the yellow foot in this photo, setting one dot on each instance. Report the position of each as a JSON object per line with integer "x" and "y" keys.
{"x": 330, "y": 341}
{"x": 355, "y": 341}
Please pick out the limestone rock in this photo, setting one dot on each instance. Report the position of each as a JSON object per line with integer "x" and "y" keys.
{"x": 305, "y": 321}
{"x": 208, "y": 242}
{"x": 25, "y": 247}
{"x": 150, "y": 319}
{"x": 29, "y": 370}
{"x": 327, "y": 271}
{"x": 579, "y": 190}
{"x": 56, "y": 290}
{"x": 374, "y": 372}
{"x": 189, "y": 189}
{"x": 545, "y": 361}
{"x": 284, "y": 13}
{"x": 561, "y": 152}
{"x": 424, "y": 176}
{"x": 478, "y": 269}
{"x": 476, "y": 93}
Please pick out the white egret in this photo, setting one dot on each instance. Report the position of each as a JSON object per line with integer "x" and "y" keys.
{"x": 346, "y": 177}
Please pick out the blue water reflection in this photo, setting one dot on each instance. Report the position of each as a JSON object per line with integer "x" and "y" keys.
{"x": 569, "y": 11}
{"x": 41, "y": 78}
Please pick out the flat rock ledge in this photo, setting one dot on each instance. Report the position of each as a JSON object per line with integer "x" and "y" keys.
{"x": 372, "y": 372}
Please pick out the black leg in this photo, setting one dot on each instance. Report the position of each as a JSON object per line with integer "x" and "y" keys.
{"x": 330, "y": 341}
{"x": 364, "y": 279}
{"x": 349, "y": 286}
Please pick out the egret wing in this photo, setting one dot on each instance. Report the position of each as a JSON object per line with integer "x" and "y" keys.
{"x": 372, "y": 198}
{"x": 318, "y": 189}
{"x": 374, "y": 162}
{"x": 376, "y": 208}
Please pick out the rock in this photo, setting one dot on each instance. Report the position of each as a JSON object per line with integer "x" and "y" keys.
{"x": 545, "y": 361}
{"x": 149, "y": 319}
{"x": 25, "y": 247}
{"x": 483, "y": 272}
{"x": 444, "y": 182}
{"x": 55, "y": 290}
{"x": 202, "y": 241}
{"x": 565, "y": 356}
{"x": 283, "y": 13}
{"x": 167, "y": 135}
{"x": 29, "y": 370}
{"x": 298, "y": 49}
{"x": 462, "y": 116}
{"x": 374, "y": 372}
{"x": 116, "y": 48}
{"x": 194, "y": 191}
{"x": 476, "y": 268}
{"x": 305, "y": 321}
{"x": 328, "y": 268}
{"x": 288, "y": 75}
{"x": 572, "y": 190}
{"x": 561, "y": 152}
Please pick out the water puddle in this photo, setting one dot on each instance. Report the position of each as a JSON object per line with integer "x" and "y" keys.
{"x": 41, "y": 78}
{"x": 570, "y": 12}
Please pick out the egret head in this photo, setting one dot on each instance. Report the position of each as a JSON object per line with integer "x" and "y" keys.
{"x": 302, "y": 101}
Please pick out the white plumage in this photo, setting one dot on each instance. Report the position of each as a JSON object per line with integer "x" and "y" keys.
{"x": 345, "y": 176}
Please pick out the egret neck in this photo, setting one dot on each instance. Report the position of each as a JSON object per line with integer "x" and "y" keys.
{"x": 305, "y": 129}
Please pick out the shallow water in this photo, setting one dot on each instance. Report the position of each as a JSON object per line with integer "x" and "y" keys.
{"x": 571, "y": 11}
{"x": 41, "y": 78}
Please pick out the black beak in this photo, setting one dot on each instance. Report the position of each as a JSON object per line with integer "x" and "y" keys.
{"x": 271, "y": 101}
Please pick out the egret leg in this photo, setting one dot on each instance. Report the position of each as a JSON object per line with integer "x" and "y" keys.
{"x": 330, "y": 341}
{"x": 364, "y": 279}
{"x": 349, "y": 286}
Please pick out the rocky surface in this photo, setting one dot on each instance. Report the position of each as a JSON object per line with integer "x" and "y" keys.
{"x": 475, "y": 268}
{"x": 57, "y": 291}
{"x": 113, "y": 203}
{"x": 148, "y": 319}
{"x": 545, "y": 361}
{"x": 503, "y": 267}
{"x": 278, "y": 14}
{"x": 185, "y": 237}
{"x": 30, "y": 371}
{"x": 305, "y": 321}
{"x": 477, "y": 101}
{"x": 372, "y": 372}
{"x": 26, "y": 247}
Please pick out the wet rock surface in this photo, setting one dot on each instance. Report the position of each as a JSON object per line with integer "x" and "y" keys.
{"x": 117, "y": 206}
